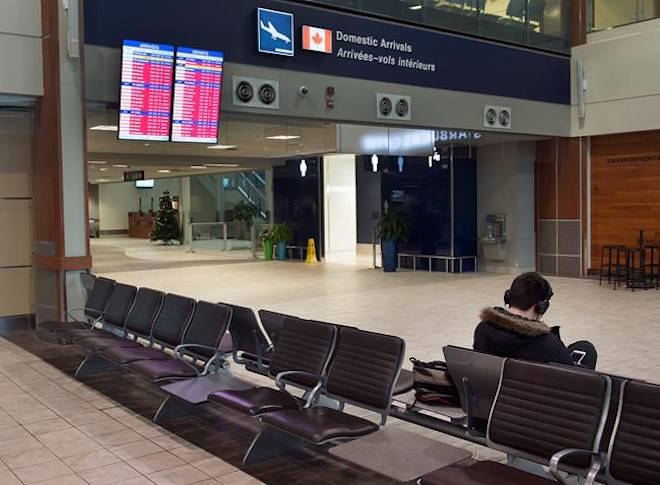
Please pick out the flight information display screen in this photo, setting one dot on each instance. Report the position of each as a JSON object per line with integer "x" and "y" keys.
{"x": 197, "y": 92}
{"x": 146, "y": 91}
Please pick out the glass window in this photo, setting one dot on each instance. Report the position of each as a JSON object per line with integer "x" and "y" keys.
{"x": 542, "y": 24}
{"x": 604, "y": 14}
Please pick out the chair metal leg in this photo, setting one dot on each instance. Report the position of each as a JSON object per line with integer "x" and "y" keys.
{"x": 270, "y": 443}
{"x": 93, "y": 364}
{"x": 171, "y": 407}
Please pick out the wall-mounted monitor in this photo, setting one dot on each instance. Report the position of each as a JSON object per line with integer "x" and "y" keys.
{"x": 197, "y": 92}
{"x": 145, "y": 101}
{"x": 144, "y": 184}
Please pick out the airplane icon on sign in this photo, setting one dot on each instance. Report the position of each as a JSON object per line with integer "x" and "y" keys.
{"x": 274, "y": 33}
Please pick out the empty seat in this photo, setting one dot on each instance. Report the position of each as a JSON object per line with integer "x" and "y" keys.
{"x": 96, "y": 303}
{"x": 250, "y": 347}
{"x": 200, "y": 343}
{"x": 540, "y": 412}
{"x": 363, "y": 373}
{"x": 138, "y": 323}
{"x": 300, "y": 359}
{"x": 114, "y": 315}
{"x": 635, "y": 447}
{"x": 167, "y": 331}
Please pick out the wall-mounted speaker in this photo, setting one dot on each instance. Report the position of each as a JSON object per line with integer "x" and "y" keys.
{"x": 393, "y": 107}
{"x": 252, "y": 92}
{"x": 498, "y": 117}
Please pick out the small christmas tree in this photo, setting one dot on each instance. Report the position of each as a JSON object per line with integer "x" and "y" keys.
{"x": 166, "y": 228}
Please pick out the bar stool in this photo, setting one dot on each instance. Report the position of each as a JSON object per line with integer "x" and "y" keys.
{"x": 609, "y": 249}
{"x": 622, "y": 265}
{"x": 653, "y": 264}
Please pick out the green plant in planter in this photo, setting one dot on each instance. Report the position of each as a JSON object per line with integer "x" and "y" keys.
{"x": 281, "y": 233}
{"x": 268, "y": 241}
{"x": 245, "y": 212}
{"x": 393, "y": 226}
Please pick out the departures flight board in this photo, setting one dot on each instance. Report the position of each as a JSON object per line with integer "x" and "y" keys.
{"x": 197, "y": 92}
{"x": 146, "y": 91}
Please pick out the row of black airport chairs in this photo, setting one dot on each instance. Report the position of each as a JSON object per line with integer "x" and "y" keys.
{"x": 575, "y": 421}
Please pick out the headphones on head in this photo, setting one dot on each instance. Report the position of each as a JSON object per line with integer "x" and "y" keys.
{"x": 541, "y": 305}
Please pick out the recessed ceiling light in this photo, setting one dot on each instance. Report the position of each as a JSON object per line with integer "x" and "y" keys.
{"x": 198, "y": 167}
{"x": 102, "y": 180}
{"x": 229, "y": 165}
{"x": 415, "y": 7}
{"x": 103, "y": 169}
{"x": 96, "y": 162}
{"x": 283, "y": 137}
{"x": 164, "y": 171}
{"x": 120, "y": 165}
{"x": 147, "y": 144}
{"x": 222, "y": 147}
{"x": 105, "y": 128}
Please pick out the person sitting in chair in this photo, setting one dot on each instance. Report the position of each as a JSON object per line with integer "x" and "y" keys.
{"x": 518, "y": 332}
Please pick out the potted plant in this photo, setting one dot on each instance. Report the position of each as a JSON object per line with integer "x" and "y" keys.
{"x": 245, "y": 212}
{"x": 268, "y": 241}
{"x": 282, "y": 234}
{"x": 392, "y": 227}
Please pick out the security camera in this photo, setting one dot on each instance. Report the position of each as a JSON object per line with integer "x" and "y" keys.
{"x": 303, "y": 91}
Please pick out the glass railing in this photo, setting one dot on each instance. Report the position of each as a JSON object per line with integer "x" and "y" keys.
{"x": 540, "y": 24}
{"x": 605, "y": 14}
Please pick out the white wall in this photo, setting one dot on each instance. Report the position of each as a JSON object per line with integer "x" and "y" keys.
{"x": 20, "y": 47}
{"x": 622, "y": 69}
{"x": 505, "y": 185}
{"x": 118, "y": 199}
{"x": 340, "y": 204}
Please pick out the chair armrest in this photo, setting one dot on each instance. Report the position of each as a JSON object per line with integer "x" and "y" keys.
{"x": 287, "y": 373}
{"x": 560, "y": 455}
{"x": 218, "y": 355}
{"x": 179, "y": 348}
{"x": 83, "y": 309}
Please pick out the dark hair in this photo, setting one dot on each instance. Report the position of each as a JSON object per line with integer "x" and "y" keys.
{"x": 527, "y": 290}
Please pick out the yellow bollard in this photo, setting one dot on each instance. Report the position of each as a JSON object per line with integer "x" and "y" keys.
{"x": 311, "y": 251}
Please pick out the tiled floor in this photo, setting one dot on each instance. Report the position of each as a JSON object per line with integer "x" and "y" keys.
{"x": 55, "y": 430}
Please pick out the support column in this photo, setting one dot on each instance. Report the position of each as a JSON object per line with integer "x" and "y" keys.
{"x": 61, "y": 243}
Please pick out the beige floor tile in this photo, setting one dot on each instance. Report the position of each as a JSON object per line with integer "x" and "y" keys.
{"x": 118, "y": 412}
{"x": 30, "y": 414}
{"x": 29, "y": 457}
{"x": 118, "y": 438}
{"x": 102, "y": 427}
{"x": 181, "y": 475}
{"x": 67, "y": 480}
{"x": 69, "y": 442}
{"x": 135, "y": 481}
{"x": 13, "y": 433}
{"x": 169, "y": 441}
{"x": 214, "y": 466}
{"x": 8, "y": 478}
{"x": 155, "y": 463}
{"x": 19, "y": 446}
{"x": 47, "y": 425}
{"x": 110, "y": 474}
{"x": 210, "y": 481}
{"x": 238, "y": 478}
{"x": 190, "y": 453}
{"x": 90, "y": 417}
{"x": 89, "y": 461}
{"x": 43, "y": 471}
{"x": 136, "y": 449}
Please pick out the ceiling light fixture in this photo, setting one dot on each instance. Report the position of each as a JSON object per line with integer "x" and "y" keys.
{"x": 100, "y": 181}
{"x": 120, "y": 165}
{"x": 222, "y": 147}
{"x": 198, "y": 167}
{"x": 96, "y": 162}
{"x": 227, "y": 165}
{"x": 303, "y": 168}
{"x": 105, "y": 128}
{"x": 103, "y": 169}
{"x": 430, "y": 161}
{"x": 164, "y": 170}
{"x": 399, "y": 161}
{"x": 415, "y": 7}
{"x": 283, "y": 137}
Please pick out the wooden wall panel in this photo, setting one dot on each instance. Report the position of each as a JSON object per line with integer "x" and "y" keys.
{"x": 625, "y": 190}
{"x": 546, "y": 189}
{"x": 568, "y": 179}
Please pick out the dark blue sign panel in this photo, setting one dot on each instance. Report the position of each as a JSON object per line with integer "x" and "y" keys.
{"x": 362, "y": 47}
{"x": 275, "y": 32}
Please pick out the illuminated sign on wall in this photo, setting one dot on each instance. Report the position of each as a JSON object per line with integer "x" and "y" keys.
{"x": 275, "y": 32}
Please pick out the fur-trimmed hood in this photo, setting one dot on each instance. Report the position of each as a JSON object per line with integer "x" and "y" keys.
{"x": 504, "y": 320}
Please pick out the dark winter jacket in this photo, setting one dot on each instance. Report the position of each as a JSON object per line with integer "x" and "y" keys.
{"x": 506, "y": 335}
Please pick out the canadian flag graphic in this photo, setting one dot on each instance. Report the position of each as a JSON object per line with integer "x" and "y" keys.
{"x": 315, "y": 39}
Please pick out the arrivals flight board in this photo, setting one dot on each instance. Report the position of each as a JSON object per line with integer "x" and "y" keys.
{"x": 146, "y": 91}
{"x": 197, "y": 91}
